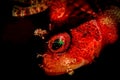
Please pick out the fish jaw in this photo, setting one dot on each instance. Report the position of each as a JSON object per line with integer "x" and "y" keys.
{"x": 61, "y": 64}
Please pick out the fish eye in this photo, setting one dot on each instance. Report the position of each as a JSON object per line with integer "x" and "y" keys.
{"x": 59, "y": 43}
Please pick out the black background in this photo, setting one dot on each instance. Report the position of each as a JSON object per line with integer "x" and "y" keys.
{"x": 18, "y": 46}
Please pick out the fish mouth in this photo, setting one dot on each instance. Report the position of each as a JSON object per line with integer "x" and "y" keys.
{"x": 63, "y": 65}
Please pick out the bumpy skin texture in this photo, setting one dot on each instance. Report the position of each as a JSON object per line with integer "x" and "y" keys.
{"x": 86, "y": 42}
{"x": 108, "y": 23}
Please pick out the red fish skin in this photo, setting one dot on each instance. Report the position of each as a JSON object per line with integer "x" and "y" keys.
{"x": 86, "y": 44}
{"x": 87, "y": 41}
{"x": 108, "y": 29}
{"x": 59, "y": 14}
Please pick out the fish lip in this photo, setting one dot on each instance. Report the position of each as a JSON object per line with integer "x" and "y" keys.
{"x": 63, "y": 69}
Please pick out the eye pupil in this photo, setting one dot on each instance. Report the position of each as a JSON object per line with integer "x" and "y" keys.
{"x": 57, "y": 44}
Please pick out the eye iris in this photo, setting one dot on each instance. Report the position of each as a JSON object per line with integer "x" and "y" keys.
{"x": 57, "y": 44}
